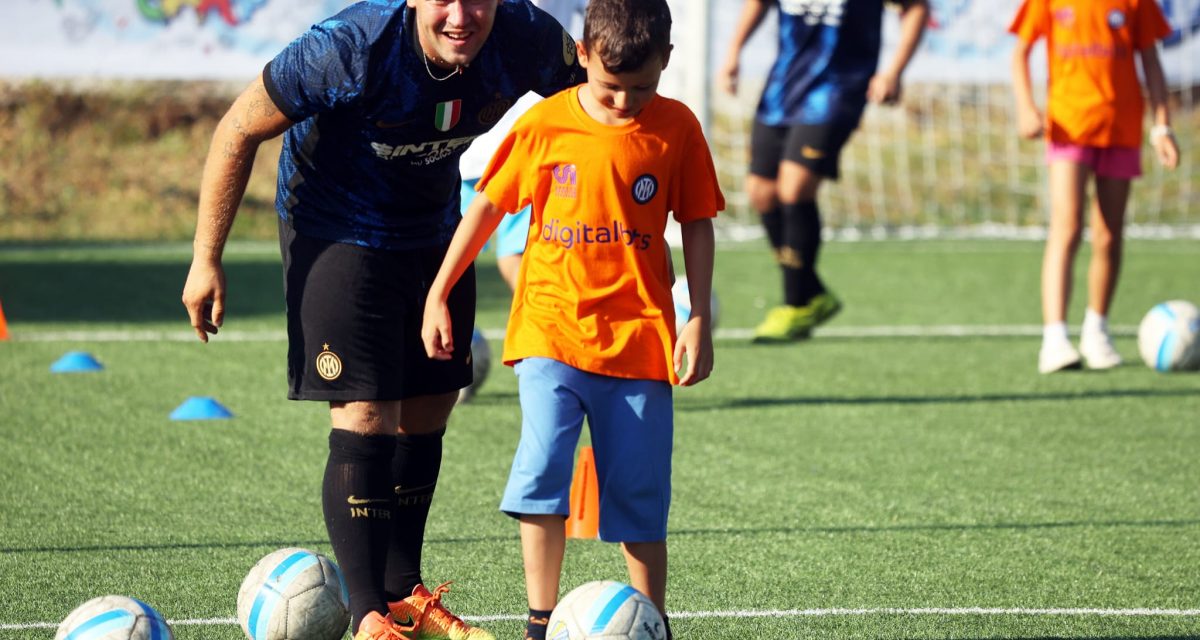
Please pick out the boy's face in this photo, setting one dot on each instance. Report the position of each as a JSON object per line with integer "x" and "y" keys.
{"x": 620, "y": 96}
{"x": 452, "y": 32}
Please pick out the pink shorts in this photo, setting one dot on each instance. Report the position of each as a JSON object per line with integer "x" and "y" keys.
{"x": 1106, "y": 162}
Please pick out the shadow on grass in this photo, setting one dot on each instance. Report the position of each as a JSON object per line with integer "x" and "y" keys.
{"x": 752, "y": 403}
{"x": 131, "y": 291}
{"x": 280, "y": 543}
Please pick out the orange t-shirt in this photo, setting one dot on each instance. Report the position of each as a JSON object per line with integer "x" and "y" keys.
{"x": 595, "y": 284}
{"x": 1095, "y": 98}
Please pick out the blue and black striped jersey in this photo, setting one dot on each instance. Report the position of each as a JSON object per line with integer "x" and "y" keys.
{"x": 373, "y": 156}
{"x": 828, "y": 51}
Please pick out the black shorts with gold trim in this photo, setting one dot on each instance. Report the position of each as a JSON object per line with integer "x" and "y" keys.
{"x": 354, "y": 321}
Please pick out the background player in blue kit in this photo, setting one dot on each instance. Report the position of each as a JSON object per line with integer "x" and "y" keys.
{"x": 823, "y": 75}
{"x": 376, "y": 104}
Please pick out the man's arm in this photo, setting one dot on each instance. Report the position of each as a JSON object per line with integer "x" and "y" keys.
{"x": 885, "y": 86}
{"x": 750, "y": 18}
{"x": 252, "y": 119}
{"x": 478, "y": 224}
{"x": 1161, "y": 137}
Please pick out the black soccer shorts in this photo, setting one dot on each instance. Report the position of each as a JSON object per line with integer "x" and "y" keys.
{"x": 818, "y": 147}
{"x": 354, "y": 321}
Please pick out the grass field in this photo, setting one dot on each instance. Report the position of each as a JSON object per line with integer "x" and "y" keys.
{"x": 905, "y": 474}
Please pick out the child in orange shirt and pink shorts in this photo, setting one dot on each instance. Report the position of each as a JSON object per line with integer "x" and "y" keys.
{"x": 1093, "y": 129}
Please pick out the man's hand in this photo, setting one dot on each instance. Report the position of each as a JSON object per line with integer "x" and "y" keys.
{"x": 884, "y": 88}
{"x": 204, "y": 297}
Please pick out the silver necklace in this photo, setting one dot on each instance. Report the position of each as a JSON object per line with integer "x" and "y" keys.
{"x": 457, "y": 70}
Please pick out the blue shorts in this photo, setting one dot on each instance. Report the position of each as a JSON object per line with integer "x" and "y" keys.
{"x": 632, "y": 426}
{"x": 513, "y": 232}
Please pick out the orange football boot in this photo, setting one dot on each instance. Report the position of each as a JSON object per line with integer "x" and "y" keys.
{"x": 380, "y": 627}
{"x": 432, "y": 620}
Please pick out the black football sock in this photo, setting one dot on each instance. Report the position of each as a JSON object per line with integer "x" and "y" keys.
{"x": 356, "y": 498}
{"x": 772, "y": 222}
{"x": 667, "y": 627}
{"x": 802, "y": 243}
{"x": 415, "y": 467}
{"x": 535, "y": 625}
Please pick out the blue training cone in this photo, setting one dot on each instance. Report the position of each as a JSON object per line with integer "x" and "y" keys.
{"x": 75, "y": 362}
{"x": 200, "y": 408}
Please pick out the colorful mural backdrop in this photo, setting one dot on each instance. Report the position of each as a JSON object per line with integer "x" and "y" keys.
{"x": 967, "y": 40}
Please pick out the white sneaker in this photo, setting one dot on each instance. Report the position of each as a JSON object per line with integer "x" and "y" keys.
{"x": 1098, "y": 351}
{"x": 1057, "y": 356}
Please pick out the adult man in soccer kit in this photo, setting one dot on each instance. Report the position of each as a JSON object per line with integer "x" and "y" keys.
{"x": 377, "y": 104}
{"x": 823, "y": 76}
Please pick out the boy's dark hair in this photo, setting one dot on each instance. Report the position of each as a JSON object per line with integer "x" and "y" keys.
{"x": 626, "y": 34}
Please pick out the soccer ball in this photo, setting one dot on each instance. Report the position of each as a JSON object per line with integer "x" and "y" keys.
{"x": 114, "y": 618}
{"x": 1167, "y": 336}
{"x": 481, "y": 362}
{"x": 294, "y": 594}
{"x": 683, "y": 304}
{"x": 605, "y": 610}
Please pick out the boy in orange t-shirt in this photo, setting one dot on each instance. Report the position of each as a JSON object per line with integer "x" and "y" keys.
{"x": 592, "y": 328}
{"x": 1093, "y": 127}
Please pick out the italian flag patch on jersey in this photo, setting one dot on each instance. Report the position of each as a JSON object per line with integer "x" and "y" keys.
{"x": 447, "y": 114}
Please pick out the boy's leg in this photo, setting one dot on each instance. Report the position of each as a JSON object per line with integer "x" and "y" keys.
{"x": 647, "y": 563}
{"x": 1067, "y": 179}
{"x": 543, "y": 542}
{"x": 539, "y": 483}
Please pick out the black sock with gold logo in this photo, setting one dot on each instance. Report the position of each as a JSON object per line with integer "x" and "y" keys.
{"x": 357, "y": 501}
{"x": 415, "y": 468}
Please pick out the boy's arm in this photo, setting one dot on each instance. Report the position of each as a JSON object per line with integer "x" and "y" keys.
{"x": 695, "y": 341}
{"x": 1029, "y": 119}
{"x": 885, "y": 86}
{"x": 752, "y": 15}
{"x": 481, "y": 219}
{"x": 1161, "y": 137}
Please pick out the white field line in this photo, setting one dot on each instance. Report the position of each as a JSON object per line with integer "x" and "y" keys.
{"x": 778, "y": 613}
{"x": 882, "y": 331}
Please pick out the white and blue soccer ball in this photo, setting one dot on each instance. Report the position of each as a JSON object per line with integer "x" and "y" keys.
{"x": 1168, "y": 336}
{"x": 294, "y": 594}
{"x": 114, "y": 618}
{"x": 605, "y": 610}
{"x": 481, "y": 363}
{"x": 683, "y": 304}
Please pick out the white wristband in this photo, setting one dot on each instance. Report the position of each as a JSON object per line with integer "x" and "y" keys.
{"x": 1160, "y": 131}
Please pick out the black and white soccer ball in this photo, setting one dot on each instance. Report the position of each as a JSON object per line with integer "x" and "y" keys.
{"x": 605, "y": 610}
{"x": 114, "y": 618}
{"x": 294, "y": 594}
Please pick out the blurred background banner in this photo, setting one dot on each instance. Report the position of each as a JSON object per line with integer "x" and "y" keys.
{"x": 232, "y": 39}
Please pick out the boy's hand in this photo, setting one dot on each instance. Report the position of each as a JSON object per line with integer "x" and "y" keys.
{"x": 436, "y": 330}
{"x": 695, "y": 341}
{"x": 1166, "y": 149}
{"x": 1029, "y": 123}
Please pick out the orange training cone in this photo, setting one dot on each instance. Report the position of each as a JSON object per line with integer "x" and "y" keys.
{"x": 3, "y": 325}
{"x": 584, "y": 521}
